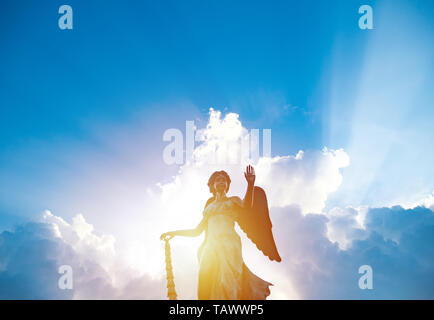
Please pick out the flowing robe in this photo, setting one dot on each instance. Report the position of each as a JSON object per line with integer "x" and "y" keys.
{"x": 223, "y": 274}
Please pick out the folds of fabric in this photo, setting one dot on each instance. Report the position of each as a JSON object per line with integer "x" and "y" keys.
{"x": 222, "y": 272}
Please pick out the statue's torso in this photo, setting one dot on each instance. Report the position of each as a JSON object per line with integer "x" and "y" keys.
{"x": 220, "y": 232}
{"x": 221, "y": 216}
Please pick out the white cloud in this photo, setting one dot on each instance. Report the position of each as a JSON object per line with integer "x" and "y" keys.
{"x": 427, "y": 202}
{"x": 321, "y": 252}
{"x": 81, "y": 237}
{"x": 305, "y": 179}
{"x": 346, "y": 225}
{"x": 396, "y": 243}
{"x": 99, "y": 272}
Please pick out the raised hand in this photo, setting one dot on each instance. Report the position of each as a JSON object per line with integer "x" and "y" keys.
{"x": 250, "y": 174}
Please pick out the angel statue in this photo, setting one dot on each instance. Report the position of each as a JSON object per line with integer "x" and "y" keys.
{"x": 223, "y": 275}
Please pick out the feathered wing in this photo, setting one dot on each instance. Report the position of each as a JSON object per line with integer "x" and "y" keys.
{"x": 256, "y": 223}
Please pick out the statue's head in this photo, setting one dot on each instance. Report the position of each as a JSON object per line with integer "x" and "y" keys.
{"x": 219, "y": 182}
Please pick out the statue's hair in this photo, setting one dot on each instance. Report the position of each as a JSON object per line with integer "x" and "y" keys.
{"x": 214, "y": 176}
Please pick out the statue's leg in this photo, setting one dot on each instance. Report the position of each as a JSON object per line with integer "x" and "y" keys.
{"x": 204, "y": 288}
{"x": 207, "y": 277}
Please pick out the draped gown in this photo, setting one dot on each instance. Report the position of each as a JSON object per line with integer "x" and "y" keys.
{"x": 223, "y": 274}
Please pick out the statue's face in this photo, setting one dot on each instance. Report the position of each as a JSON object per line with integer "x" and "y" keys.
{"x": 220, "y": 184}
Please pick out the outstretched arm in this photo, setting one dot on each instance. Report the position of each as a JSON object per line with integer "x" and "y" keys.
{"x": 185, "y": 233}
{"x": 250, "y": 178}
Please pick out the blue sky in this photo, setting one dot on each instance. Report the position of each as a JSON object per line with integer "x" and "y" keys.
{"x": 252, "y": 58}
{"x": 78, "y": 105}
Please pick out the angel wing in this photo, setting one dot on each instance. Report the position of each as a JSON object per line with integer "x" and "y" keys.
{"x": 256, "y": 223}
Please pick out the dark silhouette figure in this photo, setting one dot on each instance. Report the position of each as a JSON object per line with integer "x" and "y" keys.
{"x": 222, "y": 271}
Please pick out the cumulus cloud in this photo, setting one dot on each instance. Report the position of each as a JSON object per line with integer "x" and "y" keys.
{"x": 397, "y": 244}
{"x": 345, "y": 225}
{"x": 427, "y": 202}
{"x": 321, "y": 250}
{"x": 305, "y": 179}
{"x": 30, "y": 257}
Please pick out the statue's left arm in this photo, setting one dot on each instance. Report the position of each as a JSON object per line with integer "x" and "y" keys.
{"x": 254, "y": 217}
{"x": 250, "y": 178}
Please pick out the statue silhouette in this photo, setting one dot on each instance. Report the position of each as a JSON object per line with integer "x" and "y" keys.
{"x": 223, "y": 274}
